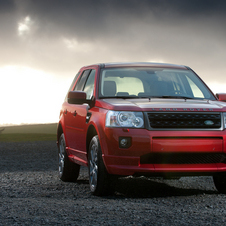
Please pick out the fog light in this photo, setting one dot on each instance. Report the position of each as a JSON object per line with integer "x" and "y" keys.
{"x": 124, "y": 142}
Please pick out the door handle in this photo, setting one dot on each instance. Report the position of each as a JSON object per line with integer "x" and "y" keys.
{"x": 75, "y": 113}
{"x": 65, "y": 112}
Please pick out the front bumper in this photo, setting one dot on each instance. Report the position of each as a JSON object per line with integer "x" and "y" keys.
{"x": 161, "y": 153}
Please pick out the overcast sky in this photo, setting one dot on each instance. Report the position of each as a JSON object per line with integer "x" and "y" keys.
{"x": 57, "y": 37}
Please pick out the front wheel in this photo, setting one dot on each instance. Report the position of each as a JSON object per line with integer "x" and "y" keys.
{"x": 68, "y": 171}
{"x": 101, "y": 182}
{"x": 220, "y": 183}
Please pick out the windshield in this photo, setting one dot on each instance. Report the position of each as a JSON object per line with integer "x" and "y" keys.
{"x": 151, "y": 83}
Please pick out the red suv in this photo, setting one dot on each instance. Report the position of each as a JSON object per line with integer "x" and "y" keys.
{"x": 149, "y": 119}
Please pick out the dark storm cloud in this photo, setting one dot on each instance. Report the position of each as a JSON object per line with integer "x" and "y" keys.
{"x": 196, "y": 8}
{"x": 95, "y": 17}
{"x": 6, "y": 6}
{"x": 64, "y": 35}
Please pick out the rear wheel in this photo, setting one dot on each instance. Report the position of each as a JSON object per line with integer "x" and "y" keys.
{"x": 101, "y": 182}
{"x": 220, "y": 183}
{"x": 68, "y": 171}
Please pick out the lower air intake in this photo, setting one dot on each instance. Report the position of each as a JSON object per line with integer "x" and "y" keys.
{"x": 183, "y": 158}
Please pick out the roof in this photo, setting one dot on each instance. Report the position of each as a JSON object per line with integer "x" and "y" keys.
{"x": 139, "y": 64}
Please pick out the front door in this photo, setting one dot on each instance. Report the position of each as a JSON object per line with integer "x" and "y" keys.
{"x": 76, "y": 125}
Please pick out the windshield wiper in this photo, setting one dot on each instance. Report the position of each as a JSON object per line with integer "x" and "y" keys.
{"x": 120, "y": 97}
{"x": 149, "y": 97}
{"x": 172, "y": 97}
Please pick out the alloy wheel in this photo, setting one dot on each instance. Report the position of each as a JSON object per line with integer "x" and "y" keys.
{"x": 61, "y": 156}
{"x": 93, "y": 166}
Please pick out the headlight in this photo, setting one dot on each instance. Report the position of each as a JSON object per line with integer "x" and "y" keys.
{"x": 125, "y": 119}
{"x": 224, "y": 114}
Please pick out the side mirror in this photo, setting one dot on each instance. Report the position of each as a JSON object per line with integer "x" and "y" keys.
{"x": 76, "y": 97}
{"x": 221, "y": 96}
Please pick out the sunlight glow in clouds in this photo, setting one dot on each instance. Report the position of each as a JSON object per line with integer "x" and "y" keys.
{"x": 34, "y": 96}
{"x": 73, "y": 44}
{"x": 30, "y": 96}
{"x": 24, "y": 26}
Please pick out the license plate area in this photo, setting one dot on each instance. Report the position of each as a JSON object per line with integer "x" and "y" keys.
{"x": 185, "y": 151}
{"x": 187, "y": 145}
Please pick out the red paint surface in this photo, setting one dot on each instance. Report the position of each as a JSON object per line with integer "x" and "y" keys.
{"x": 127, "y": 161}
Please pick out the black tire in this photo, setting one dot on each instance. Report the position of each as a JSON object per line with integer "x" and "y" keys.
{"x": 100, "y": 181}
{"x": 220, "y": 183}
{"x": 68, "y": 171}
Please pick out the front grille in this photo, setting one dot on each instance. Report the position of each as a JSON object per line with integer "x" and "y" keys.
{"x": 185, "y": 120}
{"x": 183, "y": 158}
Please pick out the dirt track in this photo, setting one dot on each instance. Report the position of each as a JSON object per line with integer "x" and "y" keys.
{"x": 32, "y": 194}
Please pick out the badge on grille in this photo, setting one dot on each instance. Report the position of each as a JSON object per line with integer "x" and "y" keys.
{"x": 209, "y": 123}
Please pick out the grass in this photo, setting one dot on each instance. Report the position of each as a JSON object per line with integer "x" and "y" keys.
{"x": 23, "y": 137}
{"x": 24, "y": 133}
{"x": 33, "y": 128}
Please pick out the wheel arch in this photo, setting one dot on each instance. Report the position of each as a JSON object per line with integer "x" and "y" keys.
{"x": 91, "y": 132}
{"x": 59, "y": 131}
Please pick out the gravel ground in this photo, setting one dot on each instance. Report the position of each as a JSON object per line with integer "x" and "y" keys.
{"x": 32, "y": 194}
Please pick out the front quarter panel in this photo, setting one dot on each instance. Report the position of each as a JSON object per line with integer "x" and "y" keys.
{"x": 98, "y": 121}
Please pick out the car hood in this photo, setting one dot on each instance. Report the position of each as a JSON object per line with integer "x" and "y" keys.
{"x": 157, "y": 104}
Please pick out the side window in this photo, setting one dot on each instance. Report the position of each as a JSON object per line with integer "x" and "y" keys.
{"x": 88, "y": 88}
{"x": 80, "y": 84}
